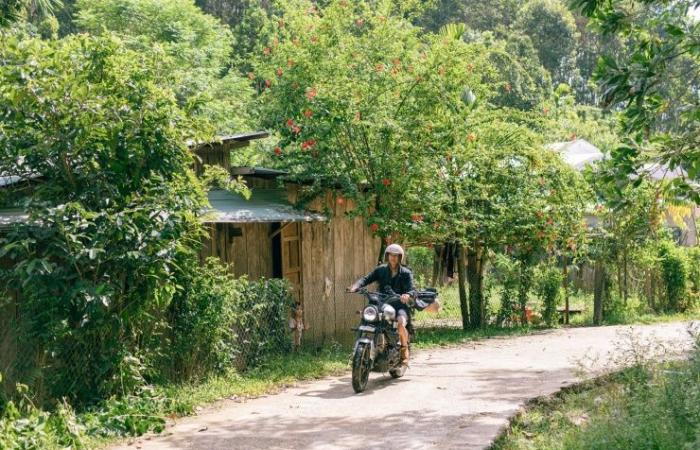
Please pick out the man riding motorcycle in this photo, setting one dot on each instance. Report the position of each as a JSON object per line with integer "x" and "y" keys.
{"x": 399, "y": 278}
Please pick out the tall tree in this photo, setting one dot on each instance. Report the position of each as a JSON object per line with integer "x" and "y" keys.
{"x": 357, "y": 97}
{"x": 655, "y": 84}
{"x": 198, "y": 49}
{"x": 552, "y": 29}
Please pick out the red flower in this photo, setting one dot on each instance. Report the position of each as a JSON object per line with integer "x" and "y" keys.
{"x": 266, "y": 50}
{"x": 308, "y": 144}
{"x": 386, "y": 181}
{"x": 340, "y": 201}
{"x": 470, "y": 68}
{"x": 268, "y": 83}
{"x": 279, "y": 72}
{"x": 278, "y": 151}
{"x": 311, "y": 93}
{"x": 379, "y": 67}
{"x": 308, "y": 113}
{"x": 290, "y": 122}
{"x": 417, "y": 217}
{"x": 550, "y": 221}
{"x": 573, "y": 136}
{"x": 290, "y": 62}
{"x": 436, "y": 225}
{"x": 374, "y": 227}
{"x": 296, "y": 129}
{"x": 396, "y": 61}
{"x": 251, "y": 76}
{"x": 545, "y": 110}
{"x": 471, "y": 137}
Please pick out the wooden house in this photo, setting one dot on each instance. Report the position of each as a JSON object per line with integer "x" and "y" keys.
{"x": 320, "y": 250}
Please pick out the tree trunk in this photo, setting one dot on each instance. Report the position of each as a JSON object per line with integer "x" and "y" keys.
{"x": 565, "y": 276}
{"x": 523, "y": 290}
{"x": 619, "y": 279}
{"x": 436, "y": 266}
{"x": 625, "y": 276}
{"x": 475, "y": 277}
{"x": 598, "y": 292}
{"x": 461, "y": 283}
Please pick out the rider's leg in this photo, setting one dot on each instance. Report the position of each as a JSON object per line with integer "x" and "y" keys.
{"x": 402, "y": 321}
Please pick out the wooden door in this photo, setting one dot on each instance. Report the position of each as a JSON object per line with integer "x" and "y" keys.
{"x": 291, "y": 258}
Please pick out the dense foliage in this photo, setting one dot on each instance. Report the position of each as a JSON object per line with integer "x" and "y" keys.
{"x": 111, "y": 214}
{"x": 431, "y": 117}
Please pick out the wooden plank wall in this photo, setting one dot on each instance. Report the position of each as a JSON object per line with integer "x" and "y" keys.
{"x": 335, "y": 254}
{"x": 249, "y": 254}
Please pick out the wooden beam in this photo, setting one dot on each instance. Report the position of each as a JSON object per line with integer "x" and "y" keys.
{"x": 279, "y": 230}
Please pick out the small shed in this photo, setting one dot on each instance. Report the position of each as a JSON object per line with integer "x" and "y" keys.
{"x": 320, "y": 250}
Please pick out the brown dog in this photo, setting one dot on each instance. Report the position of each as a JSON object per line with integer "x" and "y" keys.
{"x": 296, "y": 324}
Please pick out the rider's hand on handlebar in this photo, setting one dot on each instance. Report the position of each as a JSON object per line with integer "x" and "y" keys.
{"x": 351, "y": 289}
{"x": 405, "y": 298}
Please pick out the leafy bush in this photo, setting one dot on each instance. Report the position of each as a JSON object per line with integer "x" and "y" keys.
{"x": 420, "y": 260}
{"x": 260, "y": 325}
{"x": 218, "y": 321}
{"x": 549, "y": 279}
{"x": 201, "y": 317}
{"x": 111, "y": 213}
{"x": 23, "y": 426}
{"x": 673, "y": 264}
{"x": 505, "y": 271}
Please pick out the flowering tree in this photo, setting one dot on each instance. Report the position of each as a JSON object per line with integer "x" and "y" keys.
{"x": 357, "y": 98}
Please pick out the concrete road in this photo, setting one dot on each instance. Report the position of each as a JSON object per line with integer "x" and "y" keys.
{"x": 450, "y": 398}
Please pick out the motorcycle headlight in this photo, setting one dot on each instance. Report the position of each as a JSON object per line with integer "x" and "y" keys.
{"x": 389, "y": 312}
{"x": 370, "y": 314}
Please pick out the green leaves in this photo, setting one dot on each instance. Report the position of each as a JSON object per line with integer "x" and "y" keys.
{"x": 112, "y": 210}
{"x": 653, "y": 85}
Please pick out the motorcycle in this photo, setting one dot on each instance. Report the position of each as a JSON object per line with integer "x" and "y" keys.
{"x": 377, "y": 346}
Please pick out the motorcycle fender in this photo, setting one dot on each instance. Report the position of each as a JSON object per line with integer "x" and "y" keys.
{"x": 369, "y": 341}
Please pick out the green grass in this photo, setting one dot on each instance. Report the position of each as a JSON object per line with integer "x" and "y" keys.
{"x": 148, "y": 410}
{"x": 656, "y": 406}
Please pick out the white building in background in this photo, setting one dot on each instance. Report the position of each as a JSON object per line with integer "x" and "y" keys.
{"x": 580, "y": 154}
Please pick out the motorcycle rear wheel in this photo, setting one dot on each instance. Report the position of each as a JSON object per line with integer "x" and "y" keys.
{"x": 360, "y": 368}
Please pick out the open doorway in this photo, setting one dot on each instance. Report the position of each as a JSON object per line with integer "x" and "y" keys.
{"x": 276, "y": 250}
{"x": 286, "y": 255}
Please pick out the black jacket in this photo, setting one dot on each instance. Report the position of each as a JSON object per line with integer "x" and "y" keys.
{"x": 402, "y": 283}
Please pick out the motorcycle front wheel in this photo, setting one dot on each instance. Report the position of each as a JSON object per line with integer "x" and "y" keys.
{"x": 360, "y": 367}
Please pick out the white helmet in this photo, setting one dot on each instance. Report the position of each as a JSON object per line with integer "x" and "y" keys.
{"x": 394, "y": 249}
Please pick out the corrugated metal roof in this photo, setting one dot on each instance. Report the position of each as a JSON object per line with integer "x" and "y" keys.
{"x": 260, "y": 172}
{"x": 578, "y": 153}
{"x": 12, "y": 216}
{"x": 264, "y": 205}
{"x": 243, "y": 137}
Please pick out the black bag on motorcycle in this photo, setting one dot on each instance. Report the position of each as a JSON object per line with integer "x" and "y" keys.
{"x": 425, "y": 298}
